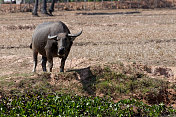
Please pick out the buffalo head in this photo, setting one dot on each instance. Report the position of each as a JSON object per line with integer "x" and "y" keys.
{"x": 62, "y": 41}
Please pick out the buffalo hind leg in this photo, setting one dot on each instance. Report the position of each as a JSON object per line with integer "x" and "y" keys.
{"x": 34, "y": 12}
{"x": 35, "y": 54}
{"x": 52, "y": 7}
{"x": 44, "y": 60}
{"x": 62, "y": 65}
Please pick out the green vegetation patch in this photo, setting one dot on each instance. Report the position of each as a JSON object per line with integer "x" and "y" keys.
{"x": 67, "y": 105}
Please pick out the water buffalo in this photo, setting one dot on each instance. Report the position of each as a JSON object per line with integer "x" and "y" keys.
{"x": 52, "y": 39}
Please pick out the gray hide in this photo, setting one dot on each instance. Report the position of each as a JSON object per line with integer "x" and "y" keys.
{"x": 52, "y": 39}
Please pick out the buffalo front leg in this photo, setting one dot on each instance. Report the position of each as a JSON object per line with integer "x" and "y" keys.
{"x": 50, "y": 64}
{"x": 62, "y": 65}
{"x": 35, "y": 54}
{"x": 34, "y": 12}
{"x": 52, "y": 7}
{"x": 44, "y": 60}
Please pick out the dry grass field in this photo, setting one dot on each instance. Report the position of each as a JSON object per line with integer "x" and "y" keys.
{"x": 144, "y": 37}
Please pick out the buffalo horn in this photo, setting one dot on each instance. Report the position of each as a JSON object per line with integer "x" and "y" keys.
{"x": 75, "y": 35}
{"x": 52, "y": 37}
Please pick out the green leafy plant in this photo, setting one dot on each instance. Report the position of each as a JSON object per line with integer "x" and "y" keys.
{"x": 67, "y": 105}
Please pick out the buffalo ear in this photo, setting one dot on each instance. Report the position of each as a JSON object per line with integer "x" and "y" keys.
{"x": 52, "y": 37}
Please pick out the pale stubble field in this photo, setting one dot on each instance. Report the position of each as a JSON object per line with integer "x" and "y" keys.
{"x": 138, "y": 36}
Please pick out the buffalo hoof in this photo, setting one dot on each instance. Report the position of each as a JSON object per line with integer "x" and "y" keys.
{"x": 35, "y": 14}
{"x": 50, "y": 12}
{"x": 61, "y": 70}
{"x": 46, "y": 14}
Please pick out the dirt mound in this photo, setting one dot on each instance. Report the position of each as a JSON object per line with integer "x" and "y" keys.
{"x": 168, "y": 72}
{"x": 116, "y": 81}
{"x": 19, "y": 27}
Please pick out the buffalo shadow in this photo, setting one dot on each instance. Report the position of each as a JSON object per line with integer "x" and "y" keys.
{"x": 105, "y": 13}
{"x": 87, "y": 79}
